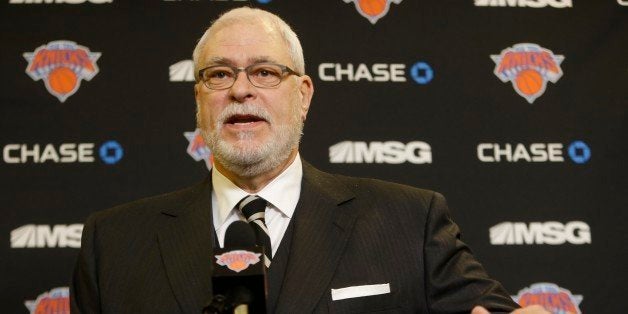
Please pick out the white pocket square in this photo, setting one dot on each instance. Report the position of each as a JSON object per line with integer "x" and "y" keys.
{"x": 359, "y": 291}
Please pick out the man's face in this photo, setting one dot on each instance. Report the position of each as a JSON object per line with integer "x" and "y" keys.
{"x": 251, "y": 130}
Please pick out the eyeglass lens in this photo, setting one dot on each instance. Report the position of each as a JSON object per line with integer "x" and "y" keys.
{"x": 260, "y": 75}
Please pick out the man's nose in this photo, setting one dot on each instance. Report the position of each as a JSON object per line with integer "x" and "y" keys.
{"x": 242, "y": 88}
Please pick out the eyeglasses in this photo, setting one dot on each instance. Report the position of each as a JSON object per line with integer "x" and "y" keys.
{"x": 263, "y": 75}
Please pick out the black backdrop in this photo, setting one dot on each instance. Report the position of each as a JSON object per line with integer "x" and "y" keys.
{"x": 541, "y": 226}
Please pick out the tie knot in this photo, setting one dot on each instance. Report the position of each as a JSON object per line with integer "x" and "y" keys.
{"x": 253, "y": 207}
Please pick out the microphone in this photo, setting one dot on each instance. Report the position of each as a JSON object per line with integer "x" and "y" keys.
{"x": 239, "y": 278}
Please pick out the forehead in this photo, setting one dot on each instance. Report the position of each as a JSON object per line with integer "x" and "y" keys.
{"x": 245, "y": 42}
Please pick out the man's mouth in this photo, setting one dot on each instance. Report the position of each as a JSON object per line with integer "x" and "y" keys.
{"x": 244, "y": 119}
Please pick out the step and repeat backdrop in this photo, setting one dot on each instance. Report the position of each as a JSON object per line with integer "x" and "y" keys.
{"x": 516, "y": 110}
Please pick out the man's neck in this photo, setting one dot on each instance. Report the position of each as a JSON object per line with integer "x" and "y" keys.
{"x": 256, "y": 183}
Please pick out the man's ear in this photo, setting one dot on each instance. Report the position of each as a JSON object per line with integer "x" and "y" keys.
{"x": 306, "y": 91}
{"x": 197, "y": 86}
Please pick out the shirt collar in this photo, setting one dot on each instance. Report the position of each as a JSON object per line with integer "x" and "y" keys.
{"x": 282, "y": 192}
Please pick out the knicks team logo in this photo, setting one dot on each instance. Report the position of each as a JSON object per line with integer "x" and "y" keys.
{"x": 550, "y": 296}
{"x": 238, "y": 260}
{"x": 56, "y": 301}
{"x": 197, "y": 148}
{"x": 528, "y": 67}
{"x": 373, "y": 10}
{"x": 62, "y": 65}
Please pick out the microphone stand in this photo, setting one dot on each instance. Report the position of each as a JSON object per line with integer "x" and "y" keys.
{"x": 236, "y": 302}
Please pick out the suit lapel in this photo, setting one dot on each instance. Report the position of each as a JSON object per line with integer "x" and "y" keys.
{"x": 186, "y": 244}
{"x": 321, "y": 231}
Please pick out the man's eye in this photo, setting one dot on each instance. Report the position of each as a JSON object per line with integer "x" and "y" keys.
{"x": 266, "y": 72}
{"x": 219, "y": 74}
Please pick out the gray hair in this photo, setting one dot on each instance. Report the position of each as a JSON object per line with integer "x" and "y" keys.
{"x": 246, "y": 14}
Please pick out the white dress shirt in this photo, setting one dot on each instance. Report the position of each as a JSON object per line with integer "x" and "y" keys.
{"x": 282, "y": 194}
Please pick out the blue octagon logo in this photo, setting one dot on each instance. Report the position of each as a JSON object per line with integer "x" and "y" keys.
{"x": 422, "y": 73}
{"x": 579, "y": 152}
{"x": 111, "y": 152}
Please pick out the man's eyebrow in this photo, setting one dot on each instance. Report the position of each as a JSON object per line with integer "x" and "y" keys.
{"x": 227, "y": 61}
{"x": 218, "y": 61}
{"x": 262, "y": 59}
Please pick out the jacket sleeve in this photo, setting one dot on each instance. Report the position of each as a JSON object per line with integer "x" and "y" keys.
{"x": 455, "y": 280}
{"x": 84, "y": 293}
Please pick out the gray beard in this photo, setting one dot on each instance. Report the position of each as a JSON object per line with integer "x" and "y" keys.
{"x": 246, "y": 159}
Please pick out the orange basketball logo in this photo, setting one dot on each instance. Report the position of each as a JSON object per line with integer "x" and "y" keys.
{"x": 62, "y": 65}
{"x": 372, "y": 7}
{"x": 62, "y": 80}
{"x": 528, "y": 67}
{"x": 529, "y": 82}
{"x": 373, "y": 10}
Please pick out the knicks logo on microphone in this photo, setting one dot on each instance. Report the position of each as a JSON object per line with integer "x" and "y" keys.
{"x": 549, "y": 295}
{"x": 62, "y": 65}
{"x": 238, "y": 260}
{"x": 56, "y": 301}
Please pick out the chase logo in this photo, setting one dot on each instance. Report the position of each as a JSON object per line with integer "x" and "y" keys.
{"x": 111, "y": 152}
{"x": 528, "y": 67}
{"x": 373, "y": 10}
{"x": 550, "y": 296}
{"x": 578, "y": 151}
{"x": 197, "y": 148}
{"x": 391, "y": 152}
{"x": 57, "y": 301}
{"x": 420, "y": 72}
{"x": 62, "y": 65}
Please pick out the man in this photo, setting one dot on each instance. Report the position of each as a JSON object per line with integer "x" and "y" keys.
{"x": 337, "y": 244}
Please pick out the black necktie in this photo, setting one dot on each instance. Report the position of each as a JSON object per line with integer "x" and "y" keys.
{"x": 253, "y": 207}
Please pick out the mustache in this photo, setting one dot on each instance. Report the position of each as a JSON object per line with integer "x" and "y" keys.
{"x": 239, "y": 109}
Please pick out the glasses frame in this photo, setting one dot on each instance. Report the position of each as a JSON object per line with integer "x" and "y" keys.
{"x": 237, "y": 70}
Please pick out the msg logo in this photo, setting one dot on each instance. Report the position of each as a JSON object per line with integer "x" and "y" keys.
{"x": 45, "y": 236}
{"x": 391, "y": 152}
{"x": 550, "y": 232}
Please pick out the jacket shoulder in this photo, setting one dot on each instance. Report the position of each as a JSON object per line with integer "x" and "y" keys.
{"x": 373, "y": 189}
{"x": 388, "y": 190}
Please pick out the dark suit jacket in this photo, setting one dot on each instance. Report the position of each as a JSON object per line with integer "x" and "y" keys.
{"x": 154, "y": 255}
